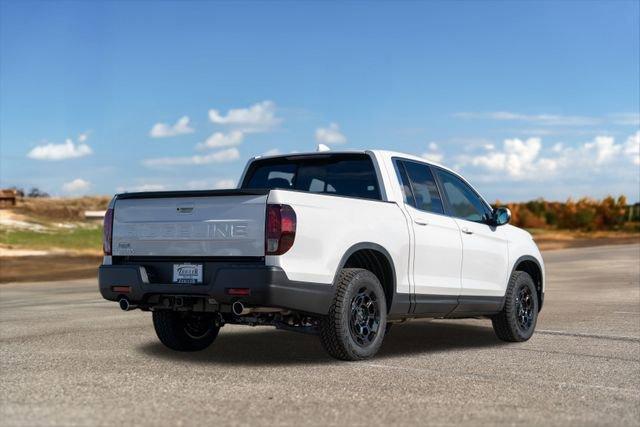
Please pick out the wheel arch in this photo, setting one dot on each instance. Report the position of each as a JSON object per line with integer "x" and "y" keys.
{"x": 531, "y": 266}
{"x": 375, "y": 258}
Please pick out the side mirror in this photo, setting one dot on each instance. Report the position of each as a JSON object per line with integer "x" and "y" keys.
{"x": 501, "y": 216}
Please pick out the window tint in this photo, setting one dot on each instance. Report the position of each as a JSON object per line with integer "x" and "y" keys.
{"x": 404, "y": 184}
{"x": 423, "y": 187}
{"x": 464, "y": 202}
{"x": 278, "y": 175}
{"x": 345, "y": 175}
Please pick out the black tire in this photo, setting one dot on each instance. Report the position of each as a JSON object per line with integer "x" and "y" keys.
{"x": 356, "y": 323}
{"x": 185, "y": 331}
{"x": 517, "y": 320}
{"x": 388, "y": 329}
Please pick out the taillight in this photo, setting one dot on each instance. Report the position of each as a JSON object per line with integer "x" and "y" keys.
{"x": 107, "y": 232}
{"x": 281, "y": 229}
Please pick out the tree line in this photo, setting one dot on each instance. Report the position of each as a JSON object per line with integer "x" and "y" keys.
{"x": 582, "y": 214}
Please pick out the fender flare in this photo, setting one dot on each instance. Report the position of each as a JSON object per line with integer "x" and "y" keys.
{"x": 537, "y": 263}
{"x": 372, "y": 246}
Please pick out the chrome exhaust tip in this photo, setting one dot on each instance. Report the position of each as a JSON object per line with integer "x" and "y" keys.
{"x": 125, "y": 305}
{"x": 239, "y": 309}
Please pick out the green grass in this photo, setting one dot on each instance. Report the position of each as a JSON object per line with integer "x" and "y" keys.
{"x": 74, "y": 239}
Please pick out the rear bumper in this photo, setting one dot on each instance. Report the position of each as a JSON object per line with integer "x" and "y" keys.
{"x": 269, "y": 287}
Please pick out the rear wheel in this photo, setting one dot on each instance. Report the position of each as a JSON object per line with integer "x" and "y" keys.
{"x": 517, "y": 320}
{"x": 356, "y": 323}
{"x": 185, "y": 331}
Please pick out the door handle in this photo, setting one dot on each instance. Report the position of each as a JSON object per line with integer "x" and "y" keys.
{"x": 465, "y": 230}
{"x": 421, "y": 221}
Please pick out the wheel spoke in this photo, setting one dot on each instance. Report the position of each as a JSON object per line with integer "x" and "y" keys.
{"x": 524, "y": 308}
{"x": 365, "y": 316}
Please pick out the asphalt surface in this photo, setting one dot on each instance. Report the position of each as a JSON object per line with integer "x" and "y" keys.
{"x": 69, "y": 358}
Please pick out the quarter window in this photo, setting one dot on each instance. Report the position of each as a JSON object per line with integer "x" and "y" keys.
{"x": 464, "y": 202}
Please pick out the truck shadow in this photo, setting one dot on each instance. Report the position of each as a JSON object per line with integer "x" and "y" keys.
{"x": 263, "y": 347}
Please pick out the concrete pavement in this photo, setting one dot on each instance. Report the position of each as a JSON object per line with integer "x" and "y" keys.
{"x": 69, "y": 358}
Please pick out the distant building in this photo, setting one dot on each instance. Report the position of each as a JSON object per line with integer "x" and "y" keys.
{"x": 8, "y": 198}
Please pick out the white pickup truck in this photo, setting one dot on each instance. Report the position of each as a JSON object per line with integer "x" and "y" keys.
{"x": 338, "y": 244}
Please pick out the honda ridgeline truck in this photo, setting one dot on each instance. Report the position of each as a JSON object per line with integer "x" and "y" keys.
{"x": 338, "y": 244}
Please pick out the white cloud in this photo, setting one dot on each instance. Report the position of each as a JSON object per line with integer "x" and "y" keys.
{"x": 83, "y": 137}
{"x": 163, "y": 130}
{"x": 604, "y": 148}
{"x": 525, "y": 160}
{"x": 224, "y": 183}
{"x": 330, "y": 135}
{"x": 542, "y": 119}
{"x": 78, "y": 185}
{"x": 141, "y": 187}
{"x": 517, "y": 158}
{"x": 630, "y": 119}
{"x": 260, "y": 117}
{"x": 219, "y": 140}
{"x": 632, "y": 148}
{"x": 228, "y": 155}
{"x": 216, "y": 185}
{"x": 434, "y": 154}
{"x": 67, "y": 150}
{"x": 272, "y": 152}
{"x": 199, "y": 184}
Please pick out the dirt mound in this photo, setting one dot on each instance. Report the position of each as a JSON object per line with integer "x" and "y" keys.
{"x": 61, "y": 209}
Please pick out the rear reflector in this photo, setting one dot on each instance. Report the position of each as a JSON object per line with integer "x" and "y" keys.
{"x": 280, "y": 229}
{"x": 239, "y": 292}
{"x": 107, "y": 232}
{"x": 121, "y": 289}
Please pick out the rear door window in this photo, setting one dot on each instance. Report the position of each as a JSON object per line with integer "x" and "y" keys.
{"x": 421, "y": 190}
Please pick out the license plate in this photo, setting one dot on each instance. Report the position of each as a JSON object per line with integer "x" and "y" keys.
{"x": 187, "y": 273}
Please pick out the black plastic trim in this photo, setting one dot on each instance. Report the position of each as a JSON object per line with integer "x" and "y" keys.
{"x": 400, "y": 303}
{"x": 434, "y": 305}
{"x": 537, "y": 263}
{"x": 192, "y": 193}
{"x": 472, "y": 306}
{"x": 269, "y": 286}
{"x": 454, "y": 306}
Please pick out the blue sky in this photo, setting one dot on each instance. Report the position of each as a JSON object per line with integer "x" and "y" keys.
{"x": 526, "y": 99}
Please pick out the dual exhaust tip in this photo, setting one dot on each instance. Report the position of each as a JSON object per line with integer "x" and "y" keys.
{"x": 237, "y": 307}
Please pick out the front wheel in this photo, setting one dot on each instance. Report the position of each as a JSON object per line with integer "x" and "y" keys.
{"x": 185, "y": 331}
{"x": 517, "y": 320}
{"x": 356, "y": 323}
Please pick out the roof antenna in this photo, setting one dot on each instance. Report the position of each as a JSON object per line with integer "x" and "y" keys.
{"x": 322, "y": 147}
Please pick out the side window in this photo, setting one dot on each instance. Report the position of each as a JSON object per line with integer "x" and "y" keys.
{"x": 423, "y": 187}
{"x": 464, "y": 202}
{"x": 403, "y": 179}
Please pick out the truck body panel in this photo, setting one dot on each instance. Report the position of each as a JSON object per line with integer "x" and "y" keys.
{"x": 440, "y": 262}
{"x": 214, "y": 225}
{"x": 328, "y": 226}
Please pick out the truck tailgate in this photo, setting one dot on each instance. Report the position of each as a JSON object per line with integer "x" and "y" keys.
{"x": 214, "y": 223}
